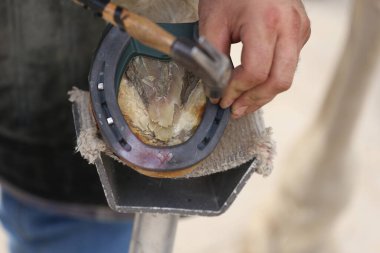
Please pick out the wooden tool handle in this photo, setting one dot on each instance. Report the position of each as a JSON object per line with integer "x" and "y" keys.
{"x": 139, "y": 27}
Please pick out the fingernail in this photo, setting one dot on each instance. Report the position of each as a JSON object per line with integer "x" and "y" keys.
{"x": 214, "y": 100}
{"x": 239, "y": 111}
{"x": 226, "y": 103}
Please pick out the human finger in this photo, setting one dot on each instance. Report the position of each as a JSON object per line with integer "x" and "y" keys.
{"x": 214, "y": 28}
{"x": 256, "y": 61}
{"x": 280, "y": 79}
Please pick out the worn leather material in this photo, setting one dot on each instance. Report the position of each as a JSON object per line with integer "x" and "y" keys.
{"x": 45, "y": 48}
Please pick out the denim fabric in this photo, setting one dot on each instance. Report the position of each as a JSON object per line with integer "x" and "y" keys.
{"x": 33, "y": 230}
{"x": 45, "y": 48}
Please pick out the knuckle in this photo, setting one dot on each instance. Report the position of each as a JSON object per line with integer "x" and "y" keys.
{"x": 261, "y": 76}
{"x": 307, "y": 32}
{"x": 296, "y": 20}
{"x": 306, "y": 26}
{"x": 272, "y": 18}
{"x": 257, "y": 76}
{"x": 282, "y": 85}
{"x": 255, "y": 99}
{"x": 251, "y": 98}
{"x": 307, "y": 22}
{"x": 259, "y": 102}
{"x": 236, "y": 88}
{"x": 300, "y": 20}
{"x": 307, "y": 35}
{"x": 239, "y": 89}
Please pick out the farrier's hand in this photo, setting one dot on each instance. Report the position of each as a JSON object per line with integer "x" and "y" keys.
{"x": 273, "y": 33}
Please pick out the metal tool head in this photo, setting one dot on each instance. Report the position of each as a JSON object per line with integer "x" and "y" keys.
{"x": 200, "y": 57}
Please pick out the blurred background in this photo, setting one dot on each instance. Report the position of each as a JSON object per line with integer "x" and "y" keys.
{"x": 247, "y": 224}
{"x": 356, "y": 226}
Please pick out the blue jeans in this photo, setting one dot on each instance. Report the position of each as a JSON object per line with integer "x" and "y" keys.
{"x": 33, "y": 230}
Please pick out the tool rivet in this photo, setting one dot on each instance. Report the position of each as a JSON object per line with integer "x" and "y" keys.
{"x": 100, "y": 86}
{"x": 110, "y": 120}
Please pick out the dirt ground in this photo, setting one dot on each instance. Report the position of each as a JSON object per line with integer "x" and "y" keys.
{"x": 358, "y": 227}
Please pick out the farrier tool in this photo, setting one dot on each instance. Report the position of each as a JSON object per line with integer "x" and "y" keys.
{"x": 198, "y": 56}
